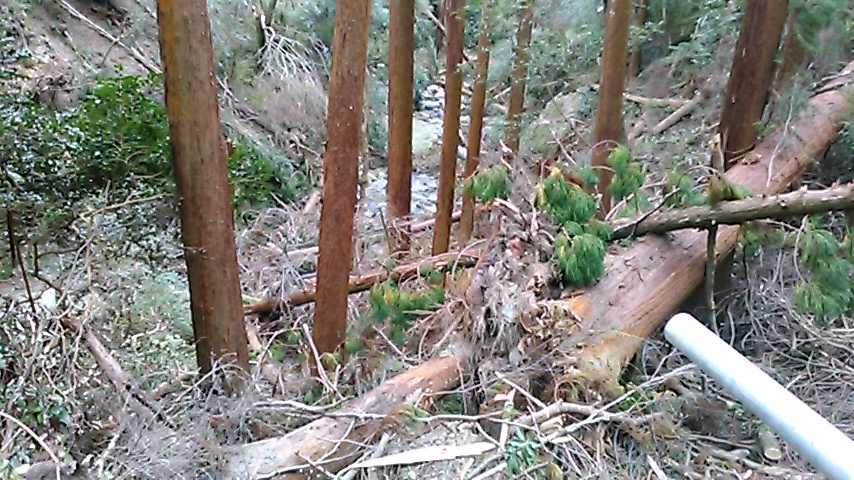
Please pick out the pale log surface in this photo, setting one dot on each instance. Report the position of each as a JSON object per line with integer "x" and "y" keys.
{"x": 334, "y": 443}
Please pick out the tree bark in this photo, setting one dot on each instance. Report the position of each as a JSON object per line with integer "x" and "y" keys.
{"x": 340, "y": 172}
{"x": 454, "y": 22}
{"x": 201, "y": 174}
{"x": 519, "y": 76}
{"x": 646, "y": 282}
{"x": 333, "y": 442}
{"x": 635, "y": 57}
{"x": 751, "y": 75}
{"x": 476, "y": 125}
{"x": 609, "y": 112}
{"x": 801, "y": 202}
{"x": 794, "y": 52}
{"x": 401, "y": 41}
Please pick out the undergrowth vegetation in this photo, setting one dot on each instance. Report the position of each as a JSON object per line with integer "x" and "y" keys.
{"x": 112, "y": 147}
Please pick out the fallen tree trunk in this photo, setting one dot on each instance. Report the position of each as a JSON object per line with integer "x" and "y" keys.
{"x": 640, "y": 288}
{"x": 331, "y": 443}
{"x": 801, "y": 202}
{"x": 465, "y": 258}
{"x": 647, "y": 282}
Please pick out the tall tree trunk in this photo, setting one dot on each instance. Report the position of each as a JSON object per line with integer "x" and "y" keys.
{"x": 751, "y": 75}
{"x": 794, "y": 51}
{"x": 454, "y": 23}
{"x": 201, "y": 174}
{"x": 519, "y": 77}
{"x": 635, "y": 57}
{"x": 478, "y": 99}
{"x": 340, "y": 172}
{"x": 609, "y": 112}
{"x": 401, "y": 41}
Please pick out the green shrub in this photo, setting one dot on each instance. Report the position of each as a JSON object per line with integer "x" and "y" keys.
{"x": 579, "y": 250}
{"x": 489, "y": 184}
{"x": 112, "y": 146}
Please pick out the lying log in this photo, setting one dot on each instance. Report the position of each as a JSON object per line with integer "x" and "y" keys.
{"x": 465, "y": 258}
{"x": 648, "y": 280}
{"x": 674, "y": 117}
{"x": 123, "y": 382}
{"x": 801, "y": 202}
{"x": 329, "y": 444}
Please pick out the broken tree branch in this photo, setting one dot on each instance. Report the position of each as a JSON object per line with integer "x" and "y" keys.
{"x": 651, "y": 101}
{"x": 123, "y": 382}
{"x": 465, "y": 258}
{"x": 674, "y": 117}
{"x": 801, "y": 202}
{"x": 134, "y": 52}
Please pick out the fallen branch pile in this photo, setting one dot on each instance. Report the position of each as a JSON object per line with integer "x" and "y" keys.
{"x": 465, "y": 258}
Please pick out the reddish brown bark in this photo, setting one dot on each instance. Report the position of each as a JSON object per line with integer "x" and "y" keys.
{"x": 454, "y": 23}
{"x": 609, "y": 112}
{"x": 751, "y": 75}
{"x": 401, "y": 36}
{"x": 519, "y": 76}
{"x": 340, "y": 172}
{"x": 198, "y": 151}
{"x": 635, "y": 57}
{"x": 646, "y": 282}
{"x": 478, "y": 99}
{"x": 794, "y": 52}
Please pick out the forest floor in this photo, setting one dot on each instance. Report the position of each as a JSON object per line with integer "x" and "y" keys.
{"x": 672, "y": 421}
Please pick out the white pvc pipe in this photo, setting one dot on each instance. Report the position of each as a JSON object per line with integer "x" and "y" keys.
{"x": 827, "y": 448}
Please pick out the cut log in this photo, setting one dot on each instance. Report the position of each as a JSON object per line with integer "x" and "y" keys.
{"x": 331, "y": 443}
{"x": 466, "y": 258}
{"x": 648, "y": 281}
{"x": 801, "y": 202}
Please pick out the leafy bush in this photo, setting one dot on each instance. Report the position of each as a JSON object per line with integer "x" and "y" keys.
{"x": 256, "y": 178}
{"x": 564, "y": 202}
{"x": 681, "y": 190}
{"x": 628, "y": 177}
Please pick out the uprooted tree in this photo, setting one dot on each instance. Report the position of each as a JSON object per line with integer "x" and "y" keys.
{"x": 641, "y": 286}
